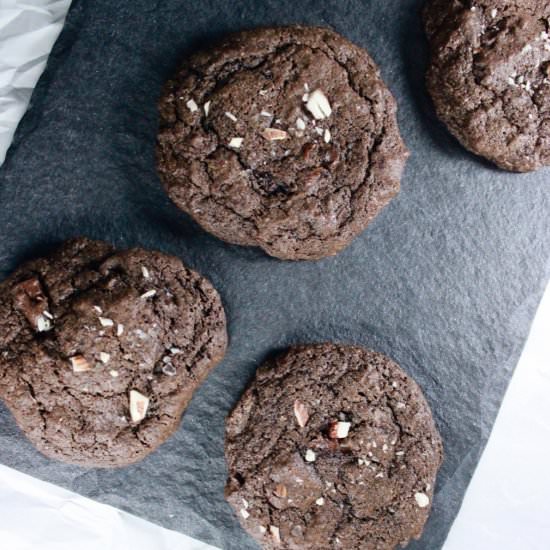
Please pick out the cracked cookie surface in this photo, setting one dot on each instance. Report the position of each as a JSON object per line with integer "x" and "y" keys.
{"x": 332, "y": 447}
{"x": 101, "y": 350}
{"x": 489, "y": 77}
{"x": 281, "y": 138}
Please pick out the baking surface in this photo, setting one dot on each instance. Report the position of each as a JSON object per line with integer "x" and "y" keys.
{"x": 445, "y": 281}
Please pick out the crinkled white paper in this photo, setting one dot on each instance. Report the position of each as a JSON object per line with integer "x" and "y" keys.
{"x": 35, "y": 514}
{"x": 28, "y": 30}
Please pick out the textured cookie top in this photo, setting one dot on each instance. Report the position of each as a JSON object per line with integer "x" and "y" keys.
{"x": 282, "y": 138}
{"x": 489, "y": 77}
{"x": 332, "y": 447}
{"x": 100, "y": 350}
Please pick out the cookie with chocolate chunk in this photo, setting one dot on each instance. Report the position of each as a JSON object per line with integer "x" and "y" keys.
{"x": 332, "y": 447}
{"x": 282, "y": 138}
{"x": 489, "y": 77}
{"x": 101, "y": 350}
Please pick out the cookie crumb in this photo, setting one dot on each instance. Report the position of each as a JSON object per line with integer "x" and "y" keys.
{"x": 244, "y": 513}
{"x": 327, "y": 136}
{"x": 320, "y": 501}
{"x": 148, "y": 294}
{"x": 230, "y": 116}
{"x": 104, "y": 357}
{"x": 266, "y": 114}
{"x": 105, "y": 322}
{"x": 98, "y": 309}
{"x": 113, "y": 373}
{"x": 144, "y": 272}
{"x": 300, "y": 124}
{"x": 206, "y": 108}
{"x": 119, "y": 329}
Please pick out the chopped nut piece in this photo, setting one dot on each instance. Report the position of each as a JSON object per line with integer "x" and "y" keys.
{"x": 318, "y": 105}
{"x": 113, "y": 373}
{"x": 169, "y": 369}
{"x": 119, "y": 329}
{"x": 301, "y": 413}
{"x": 145, "y": 272}
{"x": 274, "y": 134}
{"x": 207, "y": 108}
{"x": 327, "y": 136}
{"x": 138, "y": 406}
{"x": 310, "y": 456}
{"x": 280, "y": 490}
{"x": 245, "y": 503}
{"x": 106, "y": 322}
{"x": 236, "y": 142}
{"x": 263, "y": 92}
{"x": 275, "y": 533}
{"x": 32, "y": 302}
{"x": 79, "y": 363}
{"x": 300, "y": 124}
{"x": 148, "y": 294}
{"x": 422, "y": 499}
{"x": 266, "y": 114}
{"x": 305, "y": 97}
{"x": 244, "y": 513}
{"x": 43, "y": 324}
{"x": 98, "y": 309}
{"x": 230, "y": 116}
{"x": 192, "y": 106}
{"x": 339, "y": 430}
{"x": 104, "y": 357}
{"x": 320, "y": 501}
{"x": 262, "y": 529}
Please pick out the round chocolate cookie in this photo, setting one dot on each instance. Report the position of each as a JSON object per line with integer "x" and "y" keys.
{"x": 101, "y": 350}
{"x": 489, "y": 77}
{"x": 281, "y": 138}
{"x": 332, "y": 447}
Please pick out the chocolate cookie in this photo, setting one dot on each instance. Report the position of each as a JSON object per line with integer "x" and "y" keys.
{"x": 101, "y": 350}
{"x": 332, "y": 447}
{"x": 489, "y": 77}
{"x": 281, "y": 138}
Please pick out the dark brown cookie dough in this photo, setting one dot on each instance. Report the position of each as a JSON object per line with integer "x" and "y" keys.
{"x": 101, "y": 350}
{"x": 332, "y": 447}
{"x": 281, "y": 138}
{"x": 489, "y": 77}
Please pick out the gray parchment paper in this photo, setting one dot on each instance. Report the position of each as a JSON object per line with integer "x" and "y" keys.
{"x": 445, "y": 281}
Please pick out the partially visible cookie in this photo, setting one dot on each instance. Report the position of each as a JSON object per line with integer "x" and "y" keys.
{"x": 489, "y": 77}
{"x": 281, "y": 138}
{"x": 101, "y": 350}
{"x": 332, "y": 447}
